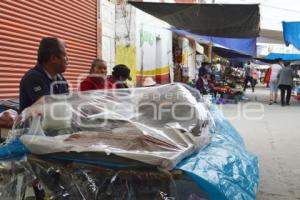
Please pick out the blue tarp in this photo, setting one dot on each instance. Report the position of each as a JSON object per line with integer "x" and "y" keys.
{"x": 243, "y": 45}
{"x": 224, "y": 169}
{"x": 14, "y": 150}
{"x": 291, "y": 33}
{"x": 286, "y": 57}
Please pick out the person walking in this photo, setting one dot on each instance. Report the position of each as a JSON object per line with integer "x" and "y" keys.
{"x": 267, "y": 76}
{"x": 248, "y": 76}
{"x": 255, "y": 77}
{"x": 285, "y": 83}
{"x": 275, "y": 68}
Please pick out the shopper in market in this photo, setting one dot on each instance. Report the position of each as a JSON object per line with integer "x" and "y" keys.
{"x": 267, "y": 76}
{"x": 285, "y": 83}
{"x": 205, "y": 67}
{"x": 120, "y": 74}
{"x": 248, "y": 76}
{"x": 255, "y": 77}
{"x": 97, "y": 78}
{"x": 273, "y": 83}
{"x": 46, "y": 77}
{"x": 202, "y": 83}
{"x": 211, "y": 79}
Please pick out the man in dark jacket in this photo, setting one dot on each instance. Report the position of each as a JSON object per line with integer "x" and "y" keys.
{"x": 285, "y": 83}
{"x": 46, "y": 77}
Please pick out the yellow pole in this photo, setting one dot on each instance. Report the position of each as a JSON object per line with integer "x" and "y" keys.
{"x": 210, "y": 52}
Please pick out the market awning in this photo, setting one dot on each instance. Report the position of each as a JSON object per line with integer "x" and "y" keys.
{"x": 291, "y": 33}
{"x": 220, "y": 20}
{"x": 230, "y": 54}
{"x": 270, "y": 36}
{"x": 243, "y": 45}
{"x": 285, "y": 57}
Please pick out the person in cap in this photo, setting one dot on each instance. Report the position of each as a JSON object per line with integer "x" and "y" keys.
{"x": 148, "y": 82}
{"x": 97, "y": 78}
{"x": 120, "y": 74}
{"x": 46, "y": 77}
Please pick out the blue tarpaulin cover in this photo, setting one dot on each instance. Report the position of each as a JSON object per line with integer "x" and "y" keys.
{"x": 287, "y": 57}
{"x": 14, "y": 150}
{"x": 291, "y": 33}
{"x": 243, "y": 45}
{"x": 224, "y": 169}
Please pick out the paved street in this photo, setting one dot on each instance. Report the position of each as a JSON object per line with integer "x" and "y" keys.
{"x": 274, "y": 137}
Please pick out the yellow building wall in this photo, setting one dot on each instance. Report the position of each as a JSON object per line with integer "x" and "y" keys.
{"x": 127, "y": 56}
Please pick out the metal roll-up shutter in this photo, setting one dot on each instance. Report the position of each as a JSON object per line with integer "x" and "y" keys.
{"x": 24, "y": 22}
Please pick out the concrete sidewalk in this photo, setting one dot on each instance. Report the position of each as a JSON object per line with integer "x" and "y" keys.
{"x": 271, "y": 132}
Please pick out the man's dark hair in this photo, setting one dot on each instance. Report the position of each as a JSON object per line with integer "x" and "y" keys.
{"x": 49, "y": 46}
{"x": 287, "y": 63}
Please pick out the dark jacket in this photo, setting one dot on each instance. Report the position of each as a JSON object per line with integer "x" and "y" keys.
{"x": 37, "y": 83}
{"x": 285, "y": 76}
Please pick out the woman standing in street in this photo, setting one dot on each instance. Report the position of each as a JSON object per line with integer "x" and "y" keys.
{"x": 285, "y": 83}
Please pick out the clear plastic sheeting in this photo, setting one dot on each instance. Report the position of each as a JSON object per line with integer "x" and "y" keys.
{"x": 77, "y": 181}
{"x": 71, "y": 160}
{"x": 225, "y": 170}
{"x": 14, "y": 179}
{"x": 156, "y": 125}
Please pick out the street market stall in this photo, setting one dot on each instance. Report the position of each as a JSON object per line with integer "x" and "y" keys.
{"x": 120, "y": 145}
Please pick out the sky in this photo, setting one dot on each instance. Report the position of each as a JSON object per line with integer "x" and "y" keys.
{"x": 272, "y": 12}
